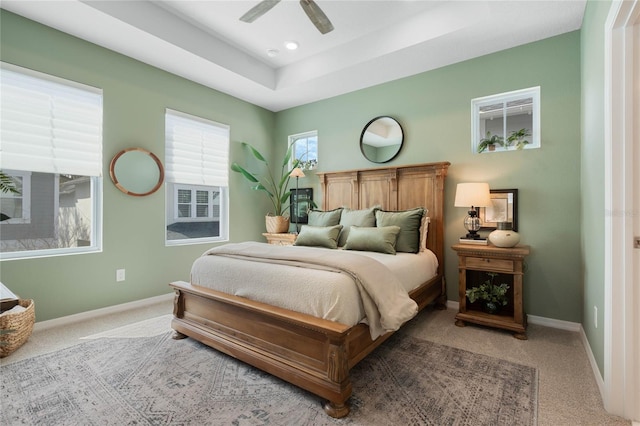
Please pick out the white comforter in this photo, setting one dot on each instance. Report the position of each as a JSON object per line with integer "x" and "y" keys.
{"x": 347, "y": 287}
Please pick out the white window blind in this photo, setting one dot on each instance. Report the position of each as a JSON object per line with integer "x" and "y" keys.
{"x": 49, "y": 124}
{"x": 197, "y": 150}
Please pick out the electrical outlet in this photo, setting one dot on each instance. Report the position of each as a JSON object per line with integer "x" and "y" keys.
{"x": 595, "y": 316}
{"x": 119, "y": 274}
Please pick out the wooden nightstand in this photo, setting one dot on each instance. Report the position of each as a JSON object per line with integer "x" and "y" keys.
{"x": 284, "y": 239}
{"x": 474, "y": 261}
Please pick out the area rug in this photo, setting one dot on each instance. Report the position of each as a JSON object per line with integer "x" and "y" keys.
{"x": 160, "y": 381}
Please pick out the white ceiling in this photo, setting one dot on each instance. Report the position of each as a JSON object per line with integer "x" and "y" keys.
{"x": 373, "y": 41}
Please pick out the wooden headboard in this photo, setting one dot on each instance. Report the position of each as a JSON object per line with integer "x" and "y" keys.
{"x": 392, "y": 188}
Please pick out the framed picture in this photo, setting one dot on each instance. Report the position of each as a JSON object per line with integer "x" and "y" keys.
{"x": 299, "y": 204}
{"x": 504, "y": 209}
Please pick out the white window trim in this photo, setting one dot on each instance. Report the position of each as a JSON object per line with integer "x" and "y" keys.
{"x": 25, "y": 195}
{"x": 96, "y": 231}
{"x": 477, "y": 103}
{"x": 90, "y": 166}
{"x": 293, "y": 138}
{"x": 210, "y": 176}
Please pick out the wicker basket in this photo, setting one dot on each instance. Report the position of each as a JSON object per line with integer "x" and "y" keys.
{"x": 16, "y": 328}
{"x": 277, "y": 224}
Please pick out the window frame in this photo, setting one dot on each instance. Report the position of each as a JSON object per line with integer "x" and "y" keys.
{"x": 24, "y": 195}
{"x": 294, "y": 139}
{"x": 477, "y": 103}
{"x": 90, "y": 167}
{"x": 172, "y": 187}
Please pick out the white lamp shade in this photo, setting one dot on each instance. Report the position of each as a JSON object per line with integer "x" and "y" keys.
{"x": 473, "y": 195}
{"x": 297, "y": 172}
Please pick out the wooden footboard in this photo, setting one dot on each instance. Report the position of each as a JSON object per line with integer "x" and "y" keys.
{"x": 309, "y": 352}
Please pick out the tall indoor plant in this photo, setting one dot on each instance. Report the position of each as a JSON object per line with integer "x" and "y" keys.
{"x": 276, "y": 187}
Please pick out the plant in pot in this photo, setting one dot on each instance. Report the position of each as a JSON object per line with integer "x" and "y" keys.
{"x": 489, "y": 142}
{"x": 493, "y": 296}
{"x": 518, "y": 137}
{"x": 276, "y": 187}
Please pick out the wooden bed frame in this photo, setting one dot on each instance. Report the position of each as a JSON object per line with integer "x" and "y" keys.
{"x": 313, "y": 353}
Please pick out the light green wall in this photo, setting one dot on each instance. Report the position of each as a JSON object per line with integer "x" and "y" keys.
{"x": 592, "y": 207}
{"x": 135, "y": 98}
{"x": 434, "y": 110}
{"x": 432, "y": 107}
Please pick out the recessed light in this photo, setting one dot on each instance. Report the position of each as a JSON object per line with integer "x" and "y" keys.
{"x": 272, "y": 53}
{"x": 291, "y": 45}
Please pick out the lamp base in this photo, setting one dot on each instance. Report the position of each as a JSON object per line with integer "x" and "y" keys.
{"x": 472, "y": 236}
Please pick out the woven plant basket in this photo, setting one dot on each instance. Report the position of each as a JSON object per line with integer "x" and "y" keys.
{"x": 16, "y": 328}
{"x": 277, "y": 224}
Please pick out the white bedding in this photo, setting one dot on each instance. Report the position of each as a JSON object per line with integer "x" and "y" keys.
{"x": 322, "y": 293}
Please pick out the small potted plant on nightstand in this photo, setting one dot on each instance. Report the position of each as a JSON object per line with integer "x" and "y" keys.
{"x": 489, "y": 142}
{"x": 493, "y": 296}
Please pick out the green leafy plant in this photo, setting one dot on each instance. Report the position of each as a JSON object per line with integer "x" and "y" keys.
{"x": 7, "y": 184}
{"x": 489, "y": 291}
{"x": 490, "y": 141}
{"x": 274, "y": 186}
{"x": 518, "y": 136}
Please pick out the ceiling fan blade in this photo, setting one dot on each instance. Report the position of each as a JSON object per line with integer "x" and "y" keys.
{"x": 258, "y": 10}
{"x": 317, "y": 16}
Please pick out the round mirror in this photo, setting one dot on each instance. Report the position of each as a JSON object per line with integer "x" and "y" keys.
{"x": 381, "y": 139}
{"x": 136, "y": 171}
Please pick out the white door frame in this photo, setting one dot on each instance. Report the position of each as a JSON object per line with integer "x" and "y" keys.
{"x": 622, "y": 302}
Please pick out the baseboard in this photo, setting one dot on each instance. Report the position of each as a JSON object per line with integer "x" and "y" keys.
{"x": 592, "y": 361}
{"x": 84, "y": 316}
{"x": 533, "y": 319}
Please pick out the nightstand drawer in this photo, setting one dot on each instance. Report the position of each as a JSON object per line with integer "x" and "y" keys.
{"x": 485, "y": 263}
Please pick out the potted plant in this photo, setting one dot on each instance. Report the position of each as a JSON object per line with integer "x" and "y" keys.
{"x": 493, "y": 296}
{"x": 518, "y": 136}
{"x": 274, "y": 186}
{"x": 490, "y": 142}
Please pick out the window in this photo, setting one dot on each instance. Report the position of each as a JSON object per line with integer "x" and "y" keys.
{"x": 305, "y": 149}
{"x": 51, "y": 132}
{"x": 506, "y": 122}
{"x": 15, "y": 207}
{"x": 197, "y": 164}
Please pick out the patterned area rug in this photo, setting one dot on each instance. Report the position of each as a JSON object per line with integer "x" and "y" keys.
{"x": 160, "y": 381}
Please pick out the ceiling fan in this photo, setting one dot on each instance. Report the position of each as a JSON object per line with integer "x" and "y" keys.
{"x": 313, "y": 11}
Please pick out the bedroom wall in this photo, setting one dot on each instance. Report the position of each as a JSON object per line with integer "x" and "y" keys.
{"x": 434, "y": 110}
{"x": 592, "y": 182}
{"x": 135, "y": 97}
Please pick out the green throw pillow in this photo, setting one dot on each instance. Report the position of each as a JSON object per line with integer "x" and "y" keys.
{"x": 409, "y": 222}
{"x": 360, "y": 218}
{"x": 318, "y": 236}
{"x": 325, "y": 218}
{"x": 380, "y": 239}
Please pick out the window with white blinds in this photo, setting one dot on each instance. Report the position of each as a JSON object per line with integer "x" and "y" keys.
{"x": 197, "y": 176}
{"x": 51, "y": 148}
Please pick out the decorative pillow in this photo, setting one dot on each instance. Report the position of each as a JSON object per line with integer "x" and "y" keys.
{"x": 325, "y": 218}
{"x": 424, "y": 232}
{"x": 318, "y": 236}
{"x": 409, "y": 222}
{"x": 360, "y": 218}
{"x": 380, "y": 239}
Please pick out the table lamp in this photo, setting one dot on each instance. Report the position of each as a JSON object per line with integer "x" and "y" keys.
{"x": 472, "y": 195}
{"x": 296, "y": 173}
